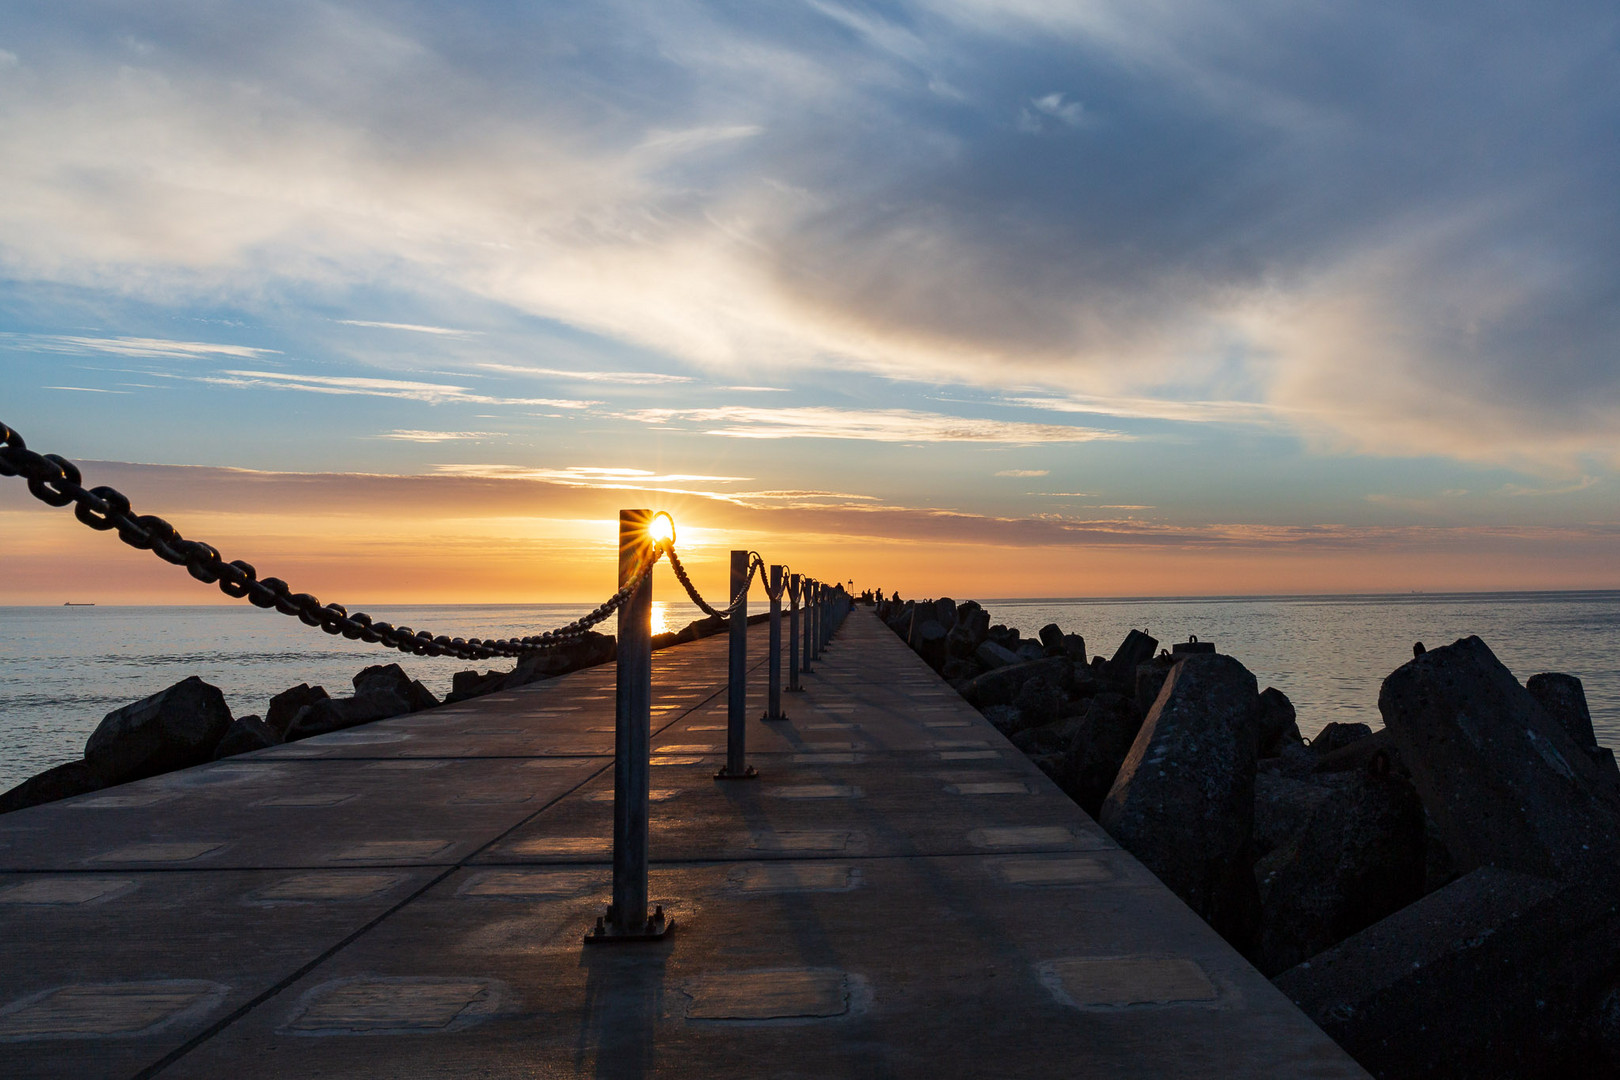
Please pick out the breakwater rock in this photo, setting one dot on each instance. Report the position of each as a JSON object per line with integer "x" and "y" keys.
{"x": 189, "y": 723}
{"x": 1442, "y": 895}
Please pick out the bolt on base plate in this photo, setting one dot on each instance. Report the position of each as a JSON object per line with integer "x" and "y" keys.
{"x": 604, "y": 933}
{"x": 750, "y": 773}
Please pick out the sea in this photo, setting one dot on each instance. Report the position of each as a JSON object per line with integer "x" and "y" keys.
{"x": 62, "y": 669}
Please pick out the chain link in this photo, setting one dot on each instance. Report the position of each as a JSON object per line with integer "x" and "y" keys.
{"x": 54, "y": 480}
{"x": 697, "y": 598}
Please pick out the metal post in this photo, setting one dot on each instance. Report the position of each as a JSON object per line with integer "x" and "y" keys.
{"x": 773, "y": 710}
{"x": 737, "y": 677}
{"x": 793, "y": 635}
{"x": 815, "y": 620}
{"x": 809, "y": 625}
{"x": 627, "y": 918}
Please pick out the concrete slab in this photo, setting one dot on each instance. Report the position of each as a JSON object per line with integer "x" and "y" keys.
{"x": 900, "y": 893}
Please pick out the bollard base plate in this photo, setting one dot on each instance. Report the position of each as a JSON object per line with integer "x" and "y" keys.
{"x": 605, "y": 933}
{"x": 750, "y": 773}
{"x": 774, "y": 719}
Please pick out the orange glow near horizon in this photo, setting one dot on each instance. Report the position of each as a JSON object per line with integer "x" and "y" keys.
{"x": 50, "y": 559}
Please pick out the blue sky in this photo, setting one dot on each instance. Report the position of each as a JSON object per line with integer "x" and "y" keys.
{"x": 1231, "y": 286}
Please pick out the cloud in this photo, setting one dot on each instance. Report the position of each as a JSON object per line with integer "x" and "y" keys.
{"x": 584, "y": 476}
{"x": 412, "y": 327}
{"x": 437, "y": 436}
{"x": 1254, "y": 216}
{"x": 137, "y": 347}
{"x": 627, "y": 378}
{"x": 1147, "y": 408}
{"x": 430, "y": 393}
{"x": 870, "y": 425}
{"x": 1521, "y": 490}
{"x": 1024, "y": 472}
{"x": 85, "y": 389}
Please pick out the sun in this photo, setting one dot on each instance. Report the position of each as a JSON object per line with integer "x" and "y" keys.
{"x": 661, "y": 529}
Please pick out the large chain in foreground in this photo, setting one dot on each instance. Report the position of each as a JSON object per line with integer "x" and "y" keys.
{"x": 55, "y": 480}
{"x": 755, "y": 564}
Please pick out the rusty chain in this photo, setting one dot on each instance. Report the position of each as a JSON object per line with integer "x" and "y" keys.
{"x": 54, "y": 480}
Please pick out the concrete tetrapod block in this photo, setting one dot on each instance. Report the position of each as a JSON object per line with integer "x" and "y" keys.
{"x": 1491, "y": 976}
{"x": 1503, "y": 780}
{"x": 1183, "y": 801}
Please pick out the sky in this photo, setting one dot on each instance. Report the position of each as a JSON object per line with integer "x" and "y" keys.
{"x": 404, "y": 301}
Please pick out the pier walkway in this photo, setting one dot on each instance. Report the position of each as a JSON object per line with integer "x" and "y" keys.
{"x": 900, "y": 894}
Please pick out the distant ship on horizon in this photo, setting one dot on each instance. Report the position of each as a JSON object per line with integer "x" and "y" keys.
{"x": 70, "y": 603}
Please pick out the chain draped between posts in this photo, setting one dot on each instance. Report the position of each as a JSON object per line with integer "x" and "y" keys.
{"x": 55, "y": 480}
{"x": 755, "y": 565}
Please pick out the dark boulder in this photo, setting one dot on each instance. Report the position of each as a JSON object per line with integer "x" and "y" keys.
{"x": 1359, "y": 858}
{"x": 1053, "y": 738}
{"x": 471, "y": 684}
{"x": 1564, "y": 699}
{"x": 320, "y": 718}
{"x": 1360, "y": 754}
{"x": 62, "y": 782}
{"x": 1183, "y": 802}
{"x": 1278, "y": 723}
{"x": 1051, "y": 636}
{"x": 1338, "y": 735}
{"x": 246, "y": 734}
{"x": 173, "y": 729}
{"x": 1284, "y": 805}
{"x": 386, "y": 679}
{"x": 1004, "y": 718}
{"x": 1001, "y": 686}
{"x": 960, "y": 642}
{"x": 945, "y": 612}
{"x": 991, "y": 656}
{"x": 1030, "y": 650}
{"x": 1106, "y": 732}
{"x": 1075, "y": 647}
{"x": 1504, "y": 782}
{"x": 931, "y": 645}
{"x": 1005, "y": 636}
{"x": 1494, "y": 975}
{"x": 1137, "y": 648}
{"x": 421, "y": 697}
{"x": 383, "y": 678}
{"x": 285, "y": 705}
{"x": 1040, "y": 700}
{"x": 1150, "y": 676}
{"x": 921, "y": 617}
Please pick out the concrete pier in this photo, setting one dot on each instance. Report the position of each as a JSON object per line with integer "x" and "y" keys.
{"x": 900, "y": 894}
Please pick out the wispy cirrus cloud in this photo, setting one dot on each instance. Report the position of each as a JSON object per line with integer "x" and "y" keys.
{"x": 1024, "y": 473}
{"x": 86, "y": 389}
{"x": 142, "y": 348}
{"x": 437, "y": 436}
{"x": 1153, "y": 408}
{"x": 870, "y": 425}
{"x": 404, "y": 389}
{"x": 584, "y": 475}
{"x": 627, "y": 378}
{"x": 415, "y": 328}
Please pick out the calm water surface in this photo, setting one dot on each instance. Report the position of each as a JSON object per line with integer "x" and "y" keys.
{"x": 63, "y": 669}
